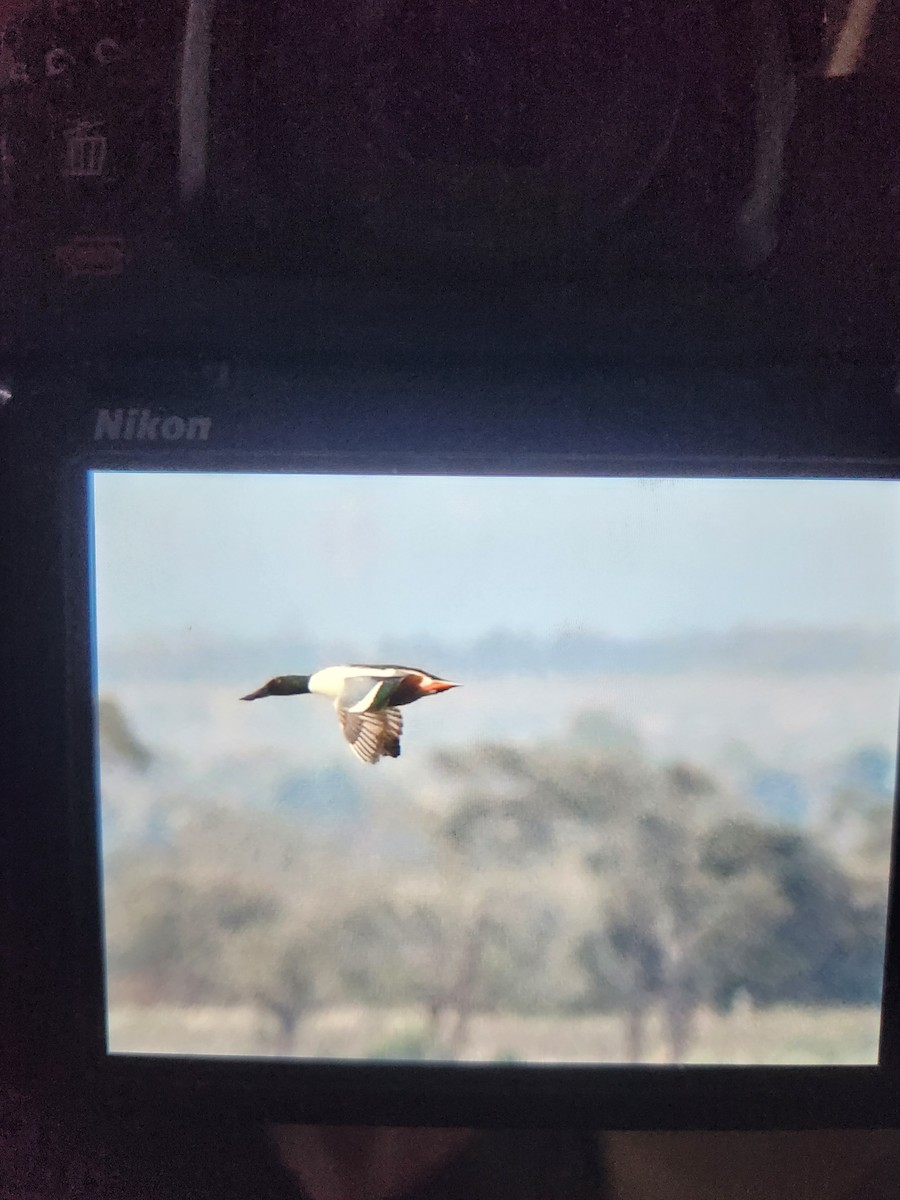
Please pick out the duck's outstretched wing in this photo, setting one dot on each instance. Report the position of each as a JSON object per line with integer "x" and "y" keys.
{"x": 372, "y": 734}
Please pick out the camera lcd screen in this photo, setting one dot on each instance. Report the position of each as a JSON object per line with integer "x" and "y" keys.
{"x": 650, "y": 823}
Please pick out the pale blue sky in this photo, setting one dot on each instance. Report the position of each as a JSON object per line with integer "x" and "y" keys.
{"x": 454, "y": 558}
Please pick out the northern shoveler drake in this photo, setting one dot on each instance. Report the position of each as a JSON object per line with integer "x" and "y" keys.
{"x": 367, "y": 699}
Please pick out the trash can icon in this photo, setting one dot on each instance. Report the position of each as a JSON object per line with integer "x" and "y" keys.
{"x": 85, "y": 151}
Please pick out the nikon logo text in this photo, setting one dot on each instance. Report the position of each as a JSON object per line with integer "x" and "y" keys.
{"x": 142, "y": 425}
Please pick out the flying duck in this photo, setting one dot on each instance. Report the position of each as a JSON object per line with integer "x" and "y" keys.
{"x": 367, "y": 699}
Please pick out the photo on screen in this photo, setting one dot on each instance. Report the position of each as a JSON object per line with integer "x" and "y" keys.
{"x": 650, "y": 823}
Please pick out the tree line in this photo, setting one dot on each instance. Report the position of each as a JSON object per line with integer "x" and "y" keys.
{"x": 548, "y": 880}
{"x": 795, "y": 651}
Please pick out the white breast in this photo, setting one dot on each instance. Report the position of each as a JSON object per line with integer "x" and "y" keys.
{"x": 330, "y": 680}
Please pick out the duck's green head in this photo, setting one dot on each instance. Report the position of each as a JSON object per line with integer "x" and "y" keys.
{"x": 281, "y": 685}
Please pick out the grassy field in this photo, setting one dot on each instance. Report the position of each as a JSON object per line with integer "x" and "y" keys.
{"x": 776, "y": 1036}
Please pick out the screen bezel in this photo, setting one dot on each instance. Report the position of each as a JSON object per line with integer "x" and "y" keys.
{"x": 431, "y": 1093}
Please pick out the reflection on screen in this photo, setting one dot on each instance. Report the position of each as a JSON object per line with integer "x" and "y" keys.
{"x": 651, "y": 825}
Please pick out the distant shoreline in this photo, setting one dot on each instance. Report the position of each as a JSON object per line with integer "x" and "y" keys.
{"x": 790, "y": 652}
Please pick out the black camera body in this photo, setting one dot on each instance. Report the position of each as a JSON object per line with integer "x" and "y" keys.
{"x": 725, "y": 170}
{"x": 603, "y": 242}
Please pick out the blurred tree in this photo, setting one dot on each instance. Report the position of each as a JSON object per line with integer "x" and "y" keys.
{"x": 190, "y": 942}
{"x": 458, "y": 953}
{"x": 658, "y": 905}
{"x": 694, "y": 900}
{"x": 273, "y": 966}
{"x": 637, "y": 830}
{"x": 858, "y": 818}
{"x": 624, "y": 974}
{"x": 168, "y": 930}
{"x": 817, "y": 944}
